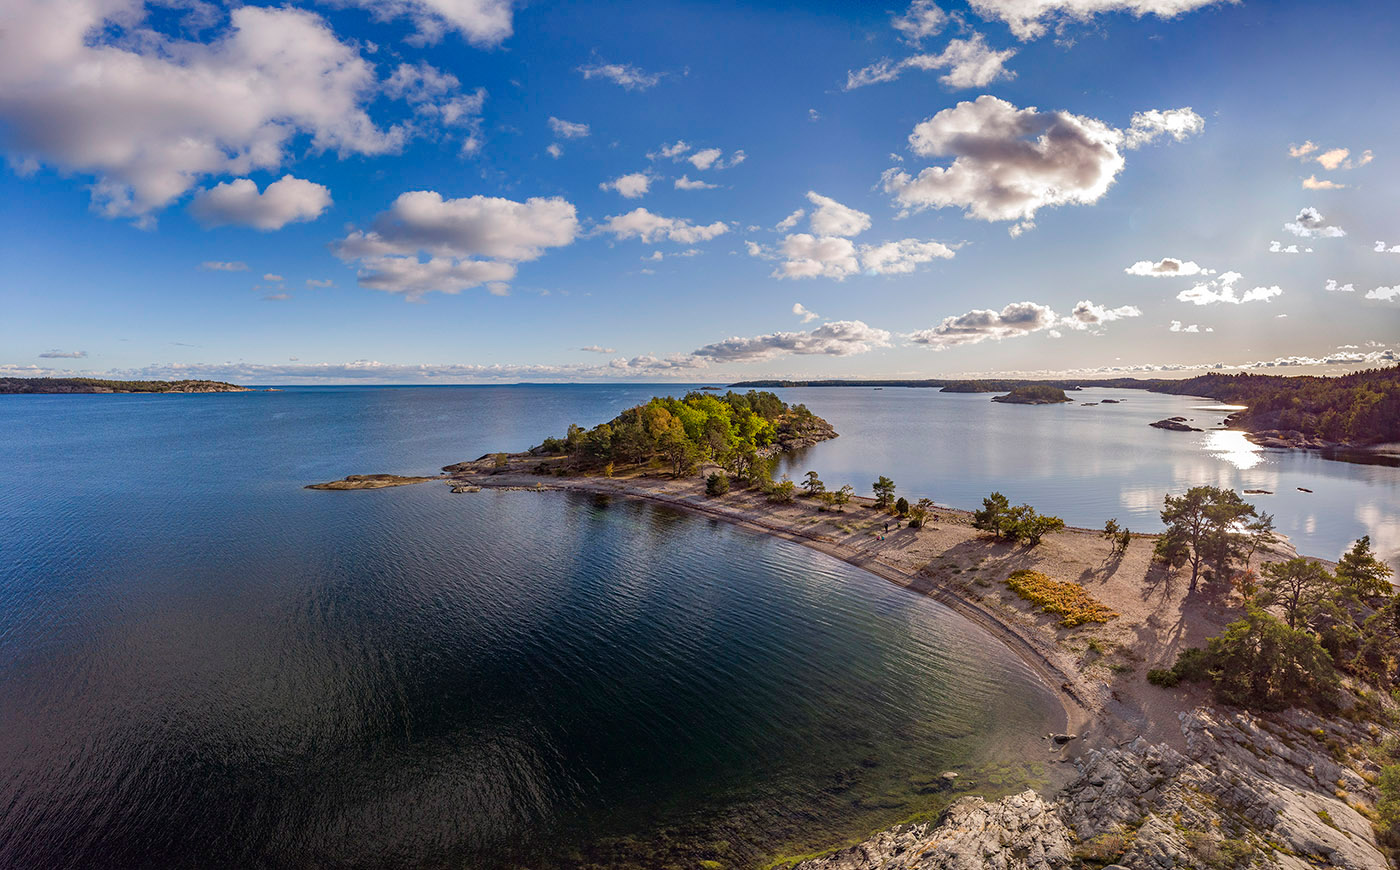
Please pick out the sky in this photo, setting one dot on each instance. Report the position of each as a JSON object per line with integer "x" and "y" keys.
{"x": 461, "y": 191}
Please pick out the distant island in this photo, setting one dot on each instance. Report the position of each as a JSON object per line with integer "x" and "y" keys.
{"x": 97, "y": 385}
{"x": 1356, "y": 410}
{"x": 1033, "y": 394}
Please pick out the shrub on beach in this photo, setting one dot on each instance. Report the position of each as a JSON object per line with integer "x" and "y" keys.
{"x": 716, "y": 484}
{"x": 1071, "y": 601}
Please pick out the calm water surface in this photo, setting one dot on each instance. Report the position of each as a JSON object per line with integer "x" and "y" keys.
{"x": 202, "y": 664}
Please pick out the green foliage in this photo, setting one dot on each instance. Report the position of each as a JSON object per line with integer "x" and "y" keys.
{"x": 716, "y": 484}
{"x": 1299, "y": 586}
{"x": 920, "y": 512}
{"x": 1033, "y": 394}
{"x": 884, "y": 492}
{"x": 901, "y": 506}
{"x": 1020, "y": 523}
{"x": 1191, "y": 665}
{"x": 732, "y": 429}
{"x": 99, "y": 385}
{"x": 1363, "y": 573}
{"x": 1260, "y": 663}
{"x": 1203, "y": 530}
{"x": 813, "y": 484}
{"x": 783, "y": 492}
{"x": 1388, "y": 805}
{"x": 992, "y": 516}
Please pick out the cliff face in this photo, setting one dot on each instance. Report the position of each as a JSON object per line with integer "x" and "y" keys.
{"x": 1247, "y": 792}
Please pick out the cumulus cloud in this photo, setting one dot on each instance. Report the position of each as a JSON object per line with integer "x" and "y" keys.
{"x": 1087, "y": 315}
{"x": 436, "y": 96}
{"x": 685, "y": 182}
{"x": 481, "y": 22}
{"x": 1311, "y": 224}
{"x": 1222, "y": 289}
{"x": 642, "y": 224}
{"x": 223, "y": 266}
{"x": 1029, "y": 19}
{"x": 707, "y": 158}
{"x": 1333, "y": 287}
{"x": 631, "y": 186}
{"x": 269, "y": 276}
{"x": 807, "y": 256}
{"x": 1167, "y": 267}
{"x": 1178, "y": 326}
{"x": 594, "y": 348}
{"x": 626, "y": 75}
{"x": 831, "y": 218}
{"x": 468, "y": 242}
{"x": 568, "y": 129}
{"x": 802, "y": 312}
{"x": 970, "y": 63}
{"x": 792, "y": 220}
{"x": 1332, "y": 159}
{"x": 1382, "y": 249}
{"x": 63, "y": 354}
{"x": 922, "y": 19}
{"x": 1312, "y": 182}
{"x": 553, "y": 149}
{"x": 982, "y": 324}
{"x": 1280, "y": 248}
{"x": 902, "y": 256}
{"x": 149, "y": 116}
{"x": 837, "y": 338}
{"x": 1147, "y": 127}
{"x": 287, "y": 200}
{"x": 1009, "y": 162}
{"x": 1384, "y": 294}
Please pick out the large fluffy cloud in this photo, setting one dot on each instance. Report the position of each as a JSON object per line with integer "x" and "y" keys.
{"x": 642, "y": 224}
{"x": 1310, "y": 224}
{"x": 467, "y": 242}
{"x": 827, "y": 252}
{"x": 631, "y": 185}
{"x": 1009, "y": 162}
{"x": 970, "y": 63}
{"x": 983, "y": 324}
{"x": 1167, "y": 267}
{"x": 837, "y": 338}
{"x": 1029, "y": 19}
{"x": 87, "y": 86}
{"x": 1222, "y": 289}
{"x": 482, "y": 22}
{"x": 831, "y": 218}
{"x": 285, "y": 201}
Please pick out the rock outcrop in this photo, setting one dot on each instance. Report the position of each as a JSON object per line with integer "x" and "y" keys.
{"x": 1175, "y": 424}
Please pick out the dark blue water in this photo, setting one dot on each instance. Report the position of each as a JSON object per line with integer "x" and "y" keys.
{"x": 202, "y": 664}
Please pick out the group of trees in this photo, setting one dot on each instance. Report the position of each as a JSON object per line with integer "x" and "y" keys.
{"x": 1347, "y": 620}
{"x": 735, "y": 430}
{"x": 1118, "y": 535}
{"x": 1212, "y": 530}
{"x": 1019, "y": 523}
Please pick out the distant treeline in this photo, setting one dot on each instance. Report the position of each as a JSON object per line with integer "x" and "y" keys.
{"x": 98, "y": 385}
{"x": 1359, "y": 408}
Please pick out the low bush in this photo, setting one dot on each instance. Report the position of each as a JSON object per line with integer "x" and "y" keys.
{"x": 1071, "y": 601}
{"x": 716, "y": 484}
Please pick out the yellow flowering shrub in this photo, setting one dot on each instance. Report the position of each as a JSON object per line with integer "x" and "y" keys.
{"x": 1070, "y": 600}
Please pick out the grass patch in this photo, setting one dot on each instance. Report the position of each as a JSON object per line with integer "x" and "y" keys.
{"x": 1071, "y": 601}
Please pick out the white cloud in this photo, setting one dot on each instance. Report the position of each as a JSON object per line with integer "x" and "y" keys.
{"x": 1148, "y": 126}
{"x": 568, "y": 129}
{"x": 1333, "y": 287}
{"x": 631, "y": 186}
{"x": 1086, "y": 314}
{"x": 1222, "y": 289}
{"x": 469, "y": 241}
{"x": 271, "y": 277}
{"x": 1382, "y": 249}
{"x": 831, "y": 218}
{"x": 594, "y": 348}
{"x": 1311, "y": 224}
{"x": 970, "y": 63}
{"x": 437, "y": 96}
{"x": 981, "y": 324}
{"x": 86, "y": 87}
{"x": 1301, "y": 151}
{"x": 63, "y": 354}
{"x": 1029, "y": 19}
{"x": 705, "y": 158}
{"x": 802, "y": 312}
{"x": 807, "y": 256}
{"x": 922, "y": 19}
{"x": 222, "y": 266}
{"x": 791, "y": 220}
{"x": 901, "y": 257}
{"x": 1177, "y": 326}
{"x": 554, "y": 150}
{"x": 482, "y": 22}
{"x": 837, "y": 338}
{"x": 686, "y": 183}
{"x": 1280, "y": 248}
{"x": 1384, "y": 293}
{"x": 287, "y": 200}
{"x": 642, "y": 224}
{"x": 672, "y": 151}
{"x": 626, "y": 75}
{"x": 1167, "y": 267}
{"x": 1312, "y": 182}
{"x": 1008, "y": 162}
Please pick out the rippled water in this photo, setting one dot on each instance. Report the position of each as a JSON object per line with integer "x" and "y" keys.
{"x": 202, "y": 664}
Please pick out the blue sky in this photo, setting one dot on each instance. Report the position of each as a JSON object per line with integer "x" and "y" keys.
{"x": 448, "y": 190}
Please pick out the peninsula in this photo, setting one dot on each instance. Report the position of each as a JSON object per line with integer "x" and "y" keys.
{"x": 1211, "y": 717}
{"x": 98, "y": 385}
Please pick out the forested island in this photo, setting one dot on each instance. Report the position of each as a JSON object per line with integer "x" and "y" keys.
{"x": 1033, "y": 394}
{"x": 98, "y": 385}
{"x": 1359, "y": 409}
